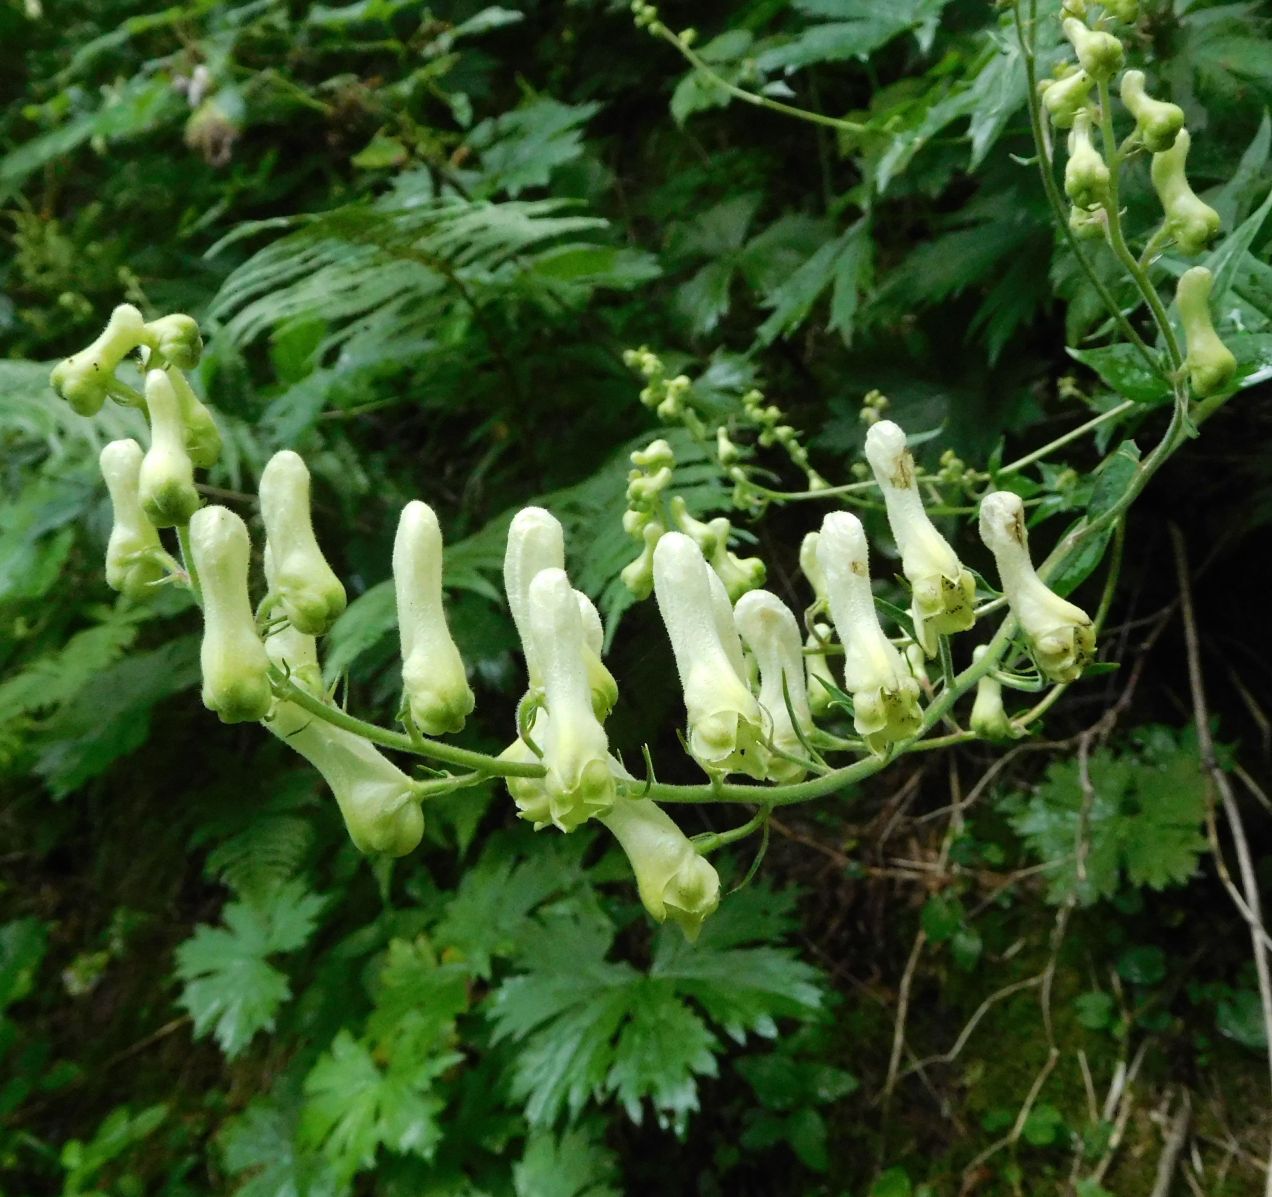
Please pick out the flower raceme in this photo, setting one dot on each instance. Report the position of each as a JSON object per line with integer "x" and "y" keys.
{"x": 434, "y": 681}
{"x": 301, "y": 582}
{"x": 1061, "y": 636}
{"x": 885, "y": 695}
{"x": 726, "y": 726}
{"x": 943, "y": 592}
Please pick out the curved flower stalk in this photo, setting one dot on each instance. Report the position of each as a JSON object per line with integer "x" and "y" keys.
{"x": 599, "y": 679}
{"x": 1065, "y": 97}
{"x": 234, "y": 662}
{"x": 673, "y": 880}
{"x": 1100, "y": 54}
{"x": 87, "y": 378}
{"x": 134, "y": 556}
{"x": 817, "y": 670}
{"x": 579, "y": 783}
{"x": 1209, "y": 361}
{"x": 166, "y": 481}
{"x": 1192, "y": 222}
{"x": 535, "y": 542}
{"x": 885, "y": 697}
{"x": 739, "y": 574}
{"x": 434, "y": 681}
{"x": 379, "y": 803}
{"x": 1086, "y": 175}
{"x": 1157, "y": 122}
{"x": 943, "y": 593}
{"x": 726, "y": 726}
{"x": 202, "y": 437}
{"x": 301, "y": 582}
{"x": 989, "y": 718}
{"x": 770, "y": 631}
{"x": 1061, "y": 635}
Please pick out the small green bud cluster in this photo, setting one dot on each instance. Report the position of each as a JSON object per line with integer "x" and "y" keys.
{"x": 773, "y": 429}
{"x": 646, "y": 16}
{"x": 645, "y": 519}
{"x": 873, "y": 405}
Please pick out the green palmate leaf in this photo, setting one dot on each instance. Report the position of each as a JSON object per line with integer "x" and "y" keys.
{"x": 269, "y": 852}
{"x": 585, "y": 1025}
{"x": 521, "y": 149}
{"x": 1143, "y": 819}
{"x": 1122, "y": 368}
{"x": 261, "y": 1143}
{"x": 574, "y": 1164}
{"x": 1112, "y": 481}
{"x": 842, "y": 264}
{"x": 353, "y": 1106}
{"x": 856, "y": 29}
{"x": 230, "y": 988}
{"x": 695, "y": 92}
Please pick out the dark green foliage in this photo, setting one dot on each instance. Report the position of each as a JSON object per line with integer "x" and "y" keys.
{"x": 419, "y": 240}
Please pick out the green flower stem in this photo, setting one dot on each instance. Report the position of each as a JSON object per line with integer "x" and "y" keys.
{"x": 1081, "y": 430}
{"x": 478, "y": 762}
{"x": 187, "y": 562}
{"x": 713, "y": 840}
{"x": 700, "y": 65}
{"x": 1057, "y": 202}
{"x": 1117, "y": 239}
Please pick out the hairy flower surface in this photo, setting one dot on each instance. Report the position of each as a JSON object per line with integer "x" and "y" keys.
{"x": 885, "y": 696}
{"x": 85, "y": 378}
{"x": 769, "y": 629}
{"x": 943, "y": 593}
{"x": 578, "y": 783}
{"x": 1061, "y": 635}
{"x": 599, "y": 679}
{"x": 726, "y": 726}
{"x": 304, "y": 586}
{"x": 434, "y": 681}
{"x": 166, "y": 481}
{"x": 133, "y": 562}
{"x": 235, "y": 665}
{"x": 674, "y": 882}
{"x": 536, "y": 542}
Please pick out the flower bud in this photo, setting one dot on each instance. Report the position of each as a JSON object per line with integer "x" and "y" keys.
{"x": 434, "y": 682}
{"x": 235, "y": 665}
{"x": 638, "y": 575}
{"x": 202, "y": 437}
{"x": 674, "y": 882}
{"x": 1100, "y": 53}
{"x": 1209, "y": 361}
{"x": 176, "y": 340}
{"x": 535, "y": 542}
{"x": 943, "y": 593}
{"x": 810, "y": 566}
{"x": 1061, "y": 635}
{"x": 726, "y": 727}
{"x": 379, "y": 803}
{"x": 133, "y": 564}
{"x": 989, "y": 719}
{"x": 301, "y": 581}
{"x": 1065, "y": 98}
{"x": 885, "y": 697}
{"x": 84, "y": 379}
{"x": 1086, "y": 175}
{"x": 599, "y": 679}
{"x": 657, "y": 455}
{"x": 817, "y": 670}
{"x": 769, "y": 630}
{"x": 1193, "y": 223}
{"x": 1157, "y": 122}
{"x": 578, "y": 783}
{"x": 166, "y": 482}
{"x": 739, "y": 574}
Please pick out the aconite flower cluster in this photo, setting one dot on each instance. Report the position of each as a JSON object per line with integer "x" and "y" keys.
{"x": 771, "y": 682}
